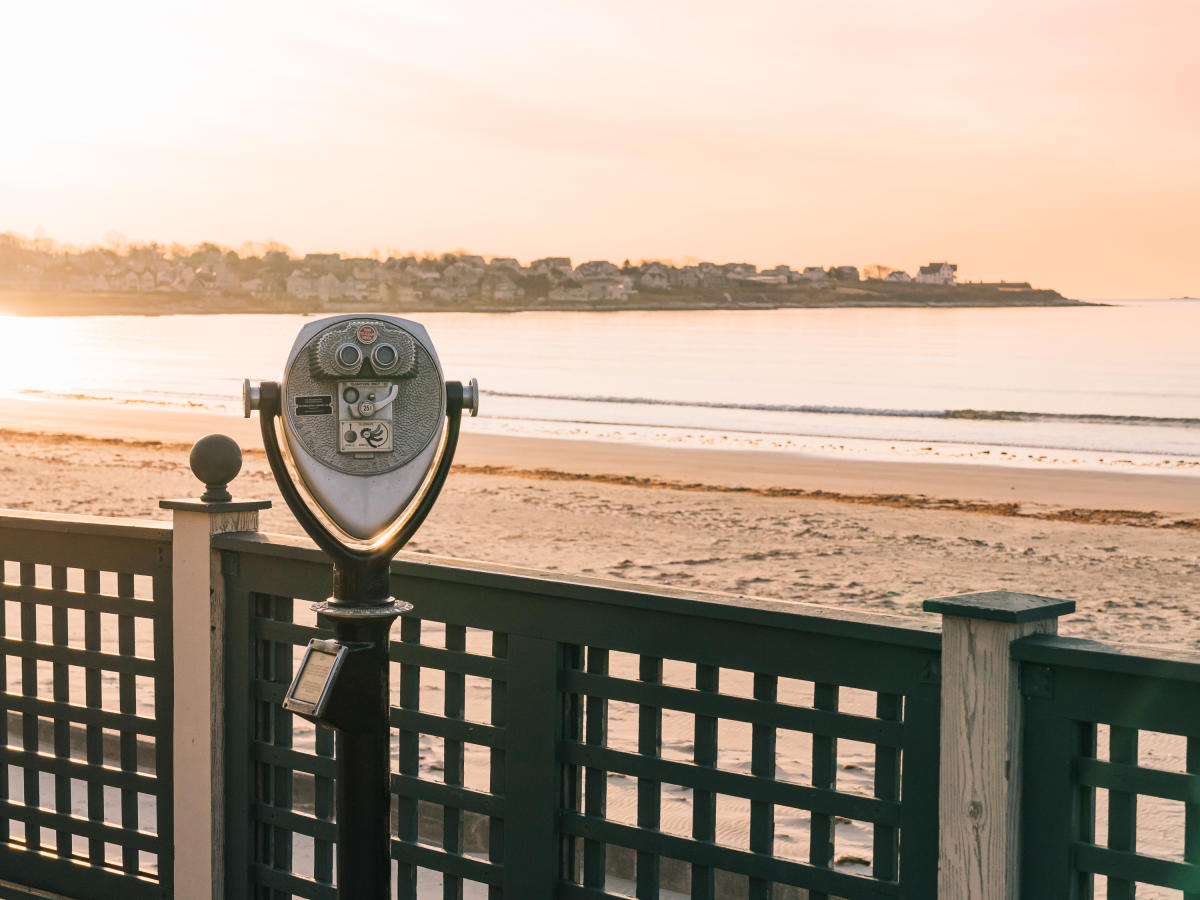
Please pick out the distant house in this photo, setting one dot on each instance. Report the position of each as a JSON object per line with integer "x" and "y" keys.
{"x": 687, "y": 277}
{"x": 416, "y": 271}
{"x": 938, "y": 273}
{"x": 399, "y": 289}
{"x": 268, "y": 284}
{"x": 329, "y": 287}
{"x": 185, "y": 280}
{"x": 405, "y": 295}
{"x": 710, "y": 274}
{"x": 363, "y": 268}
{"x": 504, "y": 262}
{"x": 454, "y": 293}
{"x": 597, "y": 268}
{"x": 786, "y": 271}
{"x": 356, "y": 288}
{"x": 322, "y": 260}
{"x": 570, "y": 291}
{"x": 898, "y": 276}
{"x": 550, "y": 265}
{"x": 654, "y": 277}
{"x": 461, "y": 273}
{"x": 844, "y": 273}
{"x": 813, "y": 273}
{"x": 225, "y": 278}
{"x": 501, "y": 289}
{"x": 353, "y": 292}
{"x": 606, "y": 289}
{"x": 206, "y": 283}
{"x": 739, "y": 271}
{"x": 302, "y": 284}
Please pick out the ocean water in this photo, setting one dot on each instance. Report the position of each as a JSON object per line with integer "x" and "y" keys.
{"x": 1088, "y": 386}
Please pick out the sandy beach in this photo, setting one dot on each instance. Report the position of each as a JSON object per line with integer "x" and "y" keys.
{"x": 815, "y": 529}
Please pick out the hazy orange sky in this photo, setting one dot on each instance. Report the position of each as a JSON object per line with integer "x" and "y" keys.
{"x": 1056, "y": 141}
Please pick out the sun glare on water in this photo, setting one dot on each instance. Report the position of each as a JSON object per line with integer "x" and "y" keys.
{"x": 46, "y": 356}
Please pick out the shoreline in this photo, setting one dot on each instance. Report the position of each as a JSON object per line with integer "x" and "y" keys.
{"x": 1142, "y": 499}
{"x": 862, "y": 295}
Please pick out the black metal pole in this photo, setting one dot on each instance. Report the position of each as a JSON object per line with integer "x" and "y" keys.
{"x": 362, "y": 619}
{"x": 363, "y": 794}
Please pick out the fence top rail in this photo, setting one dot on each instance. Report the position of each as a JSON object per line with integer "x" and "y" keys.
{"x": 785, "y": 614}
{"x": 98, "y": 526}
{"x": 1127, "y": 659}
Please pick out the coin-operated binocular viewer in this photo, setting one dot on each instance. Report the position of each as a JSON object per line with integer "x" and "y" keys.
{"x": 360, "y": 434}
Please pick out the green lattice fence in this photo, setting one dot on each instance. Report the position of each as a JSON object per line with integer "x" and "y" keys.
{"x": 85, "y": 715}
{"x": 1112, "y": 771}
{"x": 580, "y": 739}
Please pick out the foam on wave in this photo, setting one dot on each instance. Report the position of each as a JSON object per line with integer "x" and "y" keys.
{"x": 978, "y": 414}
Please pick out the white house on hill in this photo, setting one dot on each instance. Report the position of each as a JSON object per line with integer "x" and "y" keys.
{"x": 937, "y": 273}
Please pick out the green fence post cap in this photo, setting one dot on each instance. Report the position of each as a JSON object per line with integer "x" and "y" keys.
{"x": 1000, "y": 606}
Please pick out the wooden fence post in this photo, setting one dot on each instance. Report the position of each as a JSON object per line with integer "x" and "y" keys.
{"x": 198, "y": 610}
{"x": 979, "y": 802}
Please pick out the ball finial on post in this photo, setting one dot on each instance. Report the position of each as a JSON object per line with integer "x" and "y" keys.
{"x": 216, "y": 460}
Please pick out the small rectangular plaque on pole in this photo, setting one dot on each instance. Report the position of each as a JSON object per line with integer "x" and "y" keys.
{"x": 313, "y": 684}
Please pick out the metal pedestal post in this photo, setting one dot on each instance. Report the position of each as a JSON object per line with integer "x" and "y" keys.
{"x": 362, "y": 759}
{"x": 362, "y": 613}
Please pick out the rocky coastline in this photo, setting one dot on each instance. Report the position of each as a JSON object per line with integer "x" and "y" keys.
{"x": 854, "y": 294}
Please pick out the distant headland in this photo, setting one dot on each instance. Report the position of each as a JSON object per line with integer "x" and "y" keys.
{"x": 39, "y": 278}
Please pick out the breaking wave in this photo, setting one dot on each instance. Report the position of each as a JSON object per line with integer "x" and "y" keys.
{"x": 998, "y": 415}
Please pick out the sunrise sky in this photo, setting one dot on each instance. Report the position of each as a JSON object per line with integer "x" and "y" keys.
{"x": 1049, "y": 140}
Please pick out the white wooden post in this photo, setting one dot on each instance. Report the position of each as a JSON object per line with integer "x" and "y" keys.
{"x": 979, "y": 798}
{"x": 198, "y": 611}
